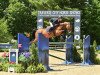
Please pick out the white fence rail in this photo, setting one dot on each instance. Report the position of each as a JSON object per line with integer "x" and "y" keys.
{"x": 57, "y": 45}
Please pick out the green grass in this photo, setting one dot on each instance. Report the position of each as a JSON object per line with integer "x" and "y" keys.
{"x": 4, "y": 50}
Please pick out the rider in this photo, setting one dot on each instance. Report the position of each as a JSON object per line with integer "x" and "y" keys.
{"x": 53, "y": 23}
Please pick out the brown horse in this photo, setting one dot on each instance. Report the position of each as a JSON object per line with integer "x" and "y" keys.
{"x": 57, "y": 31}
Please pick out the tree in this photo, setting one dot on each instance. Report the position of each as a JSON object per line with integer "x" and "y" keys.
{"x": 21, "y": 15}
{"x": 19, "y": 18}
{"x": 90, "y": 20}
{"x": 5, "y": 36}
{"x": 3, "y": 5}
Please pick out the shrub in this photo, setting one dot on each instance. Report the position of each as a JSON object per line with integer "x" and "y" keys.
{"x": 19, "y": 68}
{"x": 0, "y": 66}
{"x": 1, "y": 59}
{"x": 97, "y": 61}
{"x": 76, "y": 55}
{"x": 40, "y": 68}
{"x": 28, "y": 62}
{"x": 24, "y": 60}
{"x": 35, "y": 69}
{"x": 94, "y": 45}
{"x": 4, "y": 59}
{"x": 31, "y": 69}
{"x": 4, "y": 50}
{"x": 5, "y": 67}
{"x": 34, "y": 55}
{"x": 1, "y": 50}
{"x": 93, "y": 56}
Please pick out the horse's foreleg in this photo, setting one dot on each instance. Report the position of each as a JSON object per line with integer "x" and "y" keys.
{"x": 68, "y": 26}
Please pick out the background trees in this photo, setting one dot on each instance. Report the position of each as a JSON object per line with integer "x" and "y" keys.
{"x": 5, "y": 36}
{"x": 21, "y": 15}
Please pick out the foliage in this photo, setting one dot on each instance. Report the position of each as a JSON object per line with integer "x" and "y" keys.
{"x": 93, "y": 56}
{"x": 21, "y": 15}
{"x": 14, "y": 44}
{"x": 24, "y": 60}
{"x": 3, "y": 5}
{"x": 78, "y": 44}
{"x": 5, "y": 67}
{"x": 90, "y": 20}
{"x": 27, "y": 62}
{"x": 4, "y": 50}
{"x": 35, "y": 69}
{"x": 76, "y": 55}
{"x": 19, "y": 68}
{"x": 41, "y": 68}
{"x": 19, "y": 18}
{"x": 94, "y": 44}
{"x": 5, "y": 36}
{"x": 1, "y": 66}
{"x": 30, "y": 61}
{"x": 5, "y": 64}
{"x": 97, "y": 61}
{"x": 34, "y": 55}
{"x": 4, "y": 59}
{"x": 31, "y": 69}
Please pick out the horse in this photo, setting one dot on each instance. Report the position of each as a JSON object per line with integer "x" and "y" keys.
{"x": 58, "y": 30}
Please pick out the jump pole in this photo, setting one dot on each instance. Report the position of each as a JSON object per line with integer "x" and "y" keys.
{"x": 86, "y": 50}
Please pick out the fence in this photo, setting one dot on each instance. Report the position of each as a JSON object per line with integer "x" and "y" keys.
{"x": 57, "y": 45}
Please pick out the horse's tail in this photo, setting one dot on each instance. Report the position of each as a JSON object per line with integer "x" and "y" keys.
{"x": 33, "y": 34}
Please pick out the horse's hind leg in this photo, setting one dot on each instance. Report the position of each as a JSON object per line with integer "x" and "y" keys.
{"x": 35, "y": 38}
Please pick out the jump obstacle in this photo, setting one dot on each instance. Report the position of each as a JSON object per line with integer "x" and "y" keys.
{"x": 43, "y": 46}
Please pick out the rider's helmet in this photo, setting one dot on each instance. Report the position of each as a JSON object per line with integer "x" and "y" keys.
{"x": 53, "y": 21}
